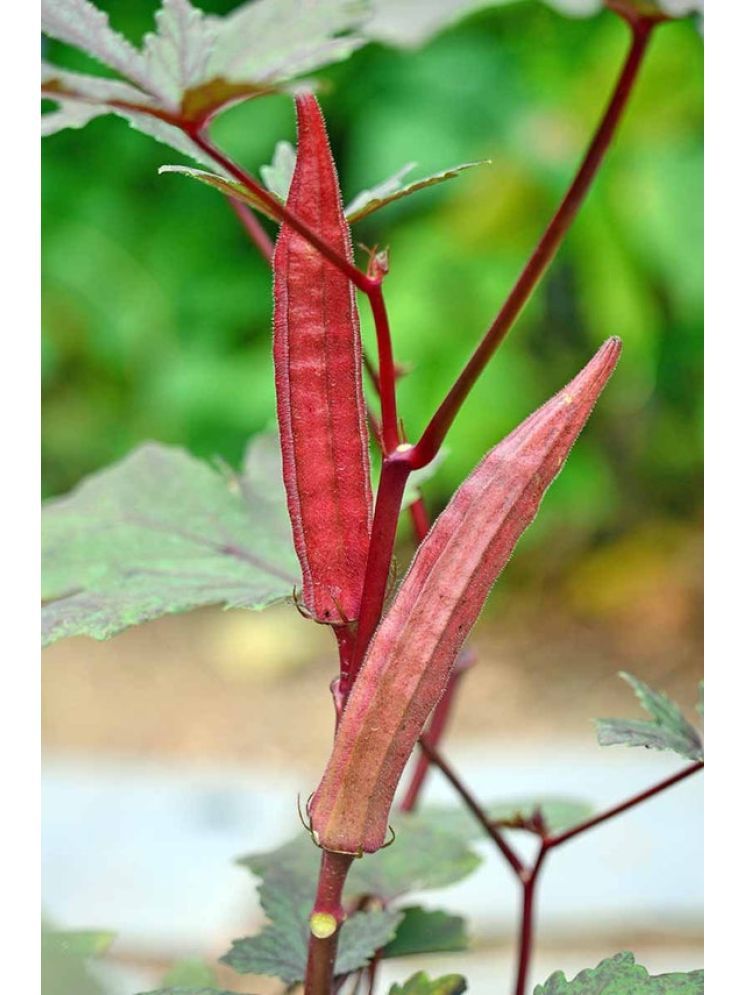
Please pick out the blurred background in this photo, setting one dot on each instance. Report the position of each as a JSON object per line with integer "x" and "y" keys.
{"x": 157, "y": 322}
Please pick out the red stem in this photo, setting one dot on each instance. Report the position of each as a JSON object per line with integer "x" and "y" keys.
{"x": 433, "y": 436}
{"x": 475, "y": 808}
{"x": 356, "y": 276}
{"x": 527, "y": 876}
{"x": 326, "y": 921}
{"x": 554, "y": 841}
{"x": 254, "y": 229}
{"x": 528, "y": 910}
{"x": 386, "y": 378}
{"x": 394, "y": 474}
{"x": 420, "y": 519}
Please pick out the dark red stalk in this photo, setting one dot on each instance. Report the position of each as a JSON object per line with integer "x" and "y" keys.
{"x": 610, "y": 813}
{"x": 394, "y": 474}
{"x": 253, "y": 228}
{"x": 386, "y": 378}
{"x": 528, "y": 916}
{"x": 387, "y": 512}
{"x": 326, "y": 921}
{"x": 528, "y": 876}
{"x": 356, "y": 276}
{"x": 435, "y": 432}
{"x": 474, "y": 807}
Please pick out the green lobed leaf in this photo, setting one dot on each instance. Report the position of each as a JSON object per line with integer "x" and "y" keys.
{"x": 161, "y": 532}
{"x": 620, "y": 975}
{"x": 280, "y": 950}
{"x": 424, "y": 931}
{"x": 193, "y": 65}
{"x": 421, "y": 984}
{"x": 668, "y": 730}
{"x": 177, "y": 53}
{"x": 287, "y": 889}
{"x": 424, "y": 855}
{"x": 362, "y": 934}
{"x": 391, "y": 189}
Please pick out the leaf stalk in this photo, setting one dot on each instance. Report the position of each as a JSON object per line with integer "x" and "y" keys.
{"x": 435, "y": 432}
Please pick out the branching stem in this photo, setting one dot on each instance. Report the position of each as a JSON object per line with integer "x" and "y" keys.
{"x": 527, "y": 875}
{"x": 356, "y": 276}
{"x": 435, "y": 432}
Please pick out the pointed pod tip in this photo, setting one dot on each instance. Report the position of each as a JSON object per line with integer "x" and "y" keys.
{"x": 305, "y": 98}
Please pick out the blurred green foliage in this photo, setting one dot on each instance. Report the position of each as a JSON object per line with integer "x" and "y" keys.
{"x": 157, "y": 311}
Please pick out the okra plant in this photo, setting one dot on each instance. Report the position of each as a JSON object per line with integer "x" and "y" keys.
{"x": 302, "y": 522}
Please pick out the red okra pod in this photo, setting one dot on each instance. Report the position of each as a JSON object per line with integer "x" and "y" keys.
{"x": 412, "y": 652}
{"x": 318, "y": 378}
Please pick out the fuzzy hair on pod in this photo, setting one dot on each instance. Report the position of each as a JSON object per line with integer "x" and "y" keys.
{"x": 411, "y": 654}
{"x": 318, "y": 381}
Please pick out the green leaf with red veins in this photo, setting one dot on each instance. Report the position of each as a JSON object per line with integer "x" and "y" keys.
{"x": 318, "y": 377}
{"x": 410, "y": 657}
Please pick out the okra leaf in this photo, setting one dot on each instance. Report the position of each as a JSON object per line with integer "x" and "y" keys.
{"x": 423, "y": 931}
{"x": 286, "y": 892}
{"x": 193, "y": 65}
{"x": 161, "y": 532}
{"x": 536, "y": 815}
{"x": 280, "y": 950}
{"x": 422, "y": 856}
{"x": 620, "y": 975}
{"x": 391, "y": 189}
{"x": 420, "y": 984}
{"x": 277, "y": 175}
{"x": 231, "y": 188}
{"x": 668, "y": 730}
{"x": 63, "y": 960}
{"x": 362, "y": 934}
